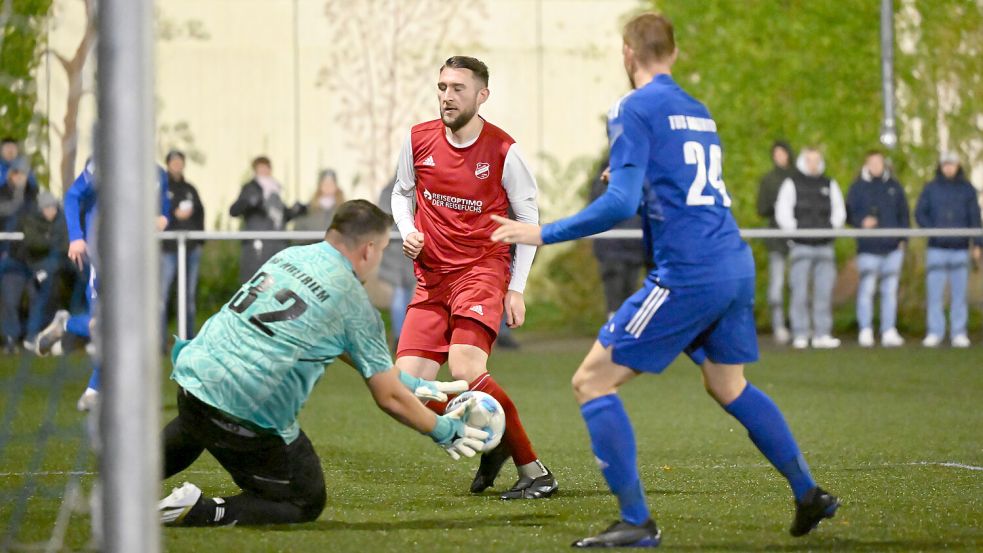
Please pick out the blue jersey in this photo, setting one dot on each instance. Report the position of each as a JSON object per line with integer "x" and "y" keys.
{"x": 80, "y": 201}
{"x": 666, "y": 165}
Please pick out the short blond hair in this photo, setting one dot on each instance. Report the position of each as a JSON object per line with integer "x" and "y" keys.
{"x": 650, "y": 36}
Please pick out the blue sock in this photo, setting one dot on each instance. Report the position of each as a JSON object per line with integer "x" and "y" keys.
{"x": 613, "y": 442}
{"x": 95, "y": 381}
{"x": 768, "y": 430}
{"x": 79, "y": 325}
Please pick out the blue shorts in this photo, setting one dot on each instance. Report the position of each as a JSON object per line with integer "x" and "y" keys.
{"x": 656, "y": 324}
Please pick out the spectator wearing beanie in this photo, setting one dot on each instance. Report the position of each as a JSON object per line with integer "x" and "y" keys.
{"x": 948, "y": 201}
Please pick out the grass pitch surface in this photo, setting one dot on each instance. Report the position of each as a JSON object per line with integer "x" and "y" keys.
{"x": 895, "y": 433}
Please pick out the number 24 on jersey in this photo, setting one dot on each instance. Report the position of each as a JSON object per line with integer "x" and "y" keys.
{"x": 695, "y": 154}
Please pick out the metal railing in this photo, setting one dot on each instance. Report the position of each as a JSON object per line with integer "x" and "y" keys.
{"x": 182, "y": 238}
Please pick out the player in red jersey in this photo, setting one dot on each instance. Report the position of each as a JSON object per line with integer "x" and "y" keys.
{"x": 461, "y": 170}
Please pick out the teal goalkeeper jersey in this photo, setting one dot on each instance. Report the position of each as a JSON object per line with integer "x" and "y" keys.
{"x": 260, "y": 356}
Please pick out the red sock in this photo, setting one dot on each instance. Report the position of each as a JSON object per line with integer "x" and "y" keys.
{"x": 515, "y": 435}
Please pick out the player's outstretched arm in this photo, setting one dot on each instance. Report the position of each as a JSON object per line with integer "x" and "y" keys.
{"x": 448, "y": 431}
{"x": 619, "y": 202}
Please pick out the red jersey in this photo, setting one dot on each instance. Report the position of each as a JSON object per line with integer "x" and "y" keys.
{"x": 457, "y": 192}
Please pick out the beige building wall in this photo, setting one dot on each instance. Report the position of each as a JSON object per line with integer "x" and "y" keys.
{"x": 328, "y": 83}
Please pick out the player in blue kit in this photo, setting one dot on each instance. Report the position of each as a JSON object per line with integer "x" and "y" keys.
{"x": 80, "y": 215}
{"x": 666, "y": 163}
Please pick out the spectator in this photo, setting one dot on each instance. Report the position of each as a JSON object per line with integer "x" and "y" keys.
{"x": 322, "y": 206}
{"x": 261, "y": 208}
{"x": 948, "y": 201}
{"x": 187, "y": 214}
{"x": 397, "y": 270}
{"x": 809, "y": 199}
{"x": 9, "y": 155}
{"x": 33, "y": 265}
{"x": 17, "y": 197}
{"x": 621, "y": 263}
{"x": 9, "y": 152}
{"x": 781, "y": 158}
{"x": 877, "y": 200}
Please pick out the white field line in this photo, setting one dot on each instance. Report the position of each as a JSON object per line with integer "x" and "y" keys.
{"x": 944, "y": 464}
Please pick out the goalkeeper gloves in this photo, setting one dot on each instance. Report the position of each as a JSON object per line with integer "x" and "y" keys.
{"x": 456, "y": 437}
{"x": 430, "y": 390}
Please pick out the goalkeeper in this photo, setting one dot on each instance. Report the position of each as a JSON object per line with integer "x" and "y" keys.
{"x": 245, "y": 377}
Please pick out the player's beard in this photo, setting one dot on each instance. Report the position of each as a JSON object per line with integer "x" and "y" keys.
{"x": 463, "y": 118}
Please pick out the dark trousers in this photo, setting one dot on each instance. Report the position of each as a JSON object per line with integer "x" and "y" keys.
{"x": 281, "y": 483}
{"x": 620, "y": 279}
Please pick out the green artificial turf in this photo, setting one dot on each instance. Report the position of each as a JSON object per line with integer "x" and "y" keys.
{"x": 877, "y": 427}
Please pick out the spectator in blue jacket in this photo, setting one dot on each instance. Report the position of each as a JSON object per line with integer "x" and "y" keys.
{"x": 9, "y": 156}
{"x": 948, "y": 201}
{"x": 877, "y": 200}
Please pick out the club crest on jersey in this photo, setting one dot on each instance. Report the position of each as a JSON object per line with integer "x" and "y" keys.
{"x": 427, "y": 195}
{"x": 482, "y": 170}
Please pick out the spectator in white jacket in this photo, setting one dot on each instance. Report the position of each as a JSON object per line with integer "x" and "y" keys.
{"x": 809, "y": 199}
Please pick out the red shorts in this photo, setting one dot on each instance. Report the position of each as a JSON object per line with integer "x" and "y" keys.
{"x": 464, "y": 307}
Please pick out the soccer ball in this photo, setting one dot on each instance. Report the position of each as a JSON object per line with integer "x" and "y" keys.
{"x": 485, "y": 413}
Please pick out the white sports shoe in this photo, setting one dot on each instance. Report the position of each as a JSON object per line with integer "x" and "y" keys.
{"x": 800, "y": 342}
{"x": 176, "y": 506}
{"x": 825, "y": 342}
{"x": 961, "y": 341}
{"x": 891, "y": 339}
{"x": 781, "y": 336}
{"x": 88, "y": 400}
{"x": 932, "y": 341}
{"x": 49, "y": 339}
{"x": 866, "y": 338}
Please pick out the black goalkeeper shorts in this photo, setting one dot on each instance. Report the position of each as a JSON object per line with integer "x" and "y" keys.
{"x": 260, "y": 462}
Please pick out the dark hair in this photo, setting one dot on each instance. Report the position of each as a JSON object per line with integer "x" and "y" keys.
{"x": 873, "y": 152}
{"x": 8, "y": 140}
{"x": 650, "y": 36}
{"x": 262, "y": 160}
{"x": 476, "y": 66}
{"x": 356, "y": 220}
{"x": 173, "y": 154}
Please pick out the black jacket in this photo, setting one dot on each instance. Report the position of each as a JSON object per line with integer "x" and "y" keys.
{"x": 767, "y": 194}
{"x": 883, "y": 198}
{"x": 261, "y": 213}
{"x": 42, "y": 238}
{"x": 949, "y": 203}
{"x": 15, "y": 203}
{"x": 179, "y": 191}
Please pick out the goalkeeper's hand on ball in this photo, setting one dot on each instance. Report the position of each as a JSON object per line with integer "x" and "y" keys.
{"x": 431, "y": 390}
{"x": 456, "y": 437}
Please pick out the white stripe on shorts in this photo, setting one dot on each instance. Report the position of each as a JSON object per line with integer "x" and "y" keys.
{"x": 654, "y": 297}
{"x": 651, "y": 312}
